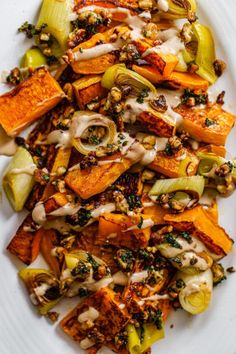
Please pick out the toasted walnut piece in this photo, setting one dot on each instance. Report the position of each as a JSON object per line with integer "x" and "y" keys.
{"x": 192, "y": 68}
{"x": 150, "y": 30}
{"x": 220, "y": 98}
{"x": 186, "y": 33}
{"x": 224, "y": 169}
{"x": 176, "y": 206}
{"x": 76, "y": 37}
{"x": 149, "y": 142}
{"x": 121, "y": 202}
{"x": 116, "y": 94}
{"x": 219, "y": 66}
{"x": 218, "y": 273}
{"x": 147, "y": 175}
{"x": 159, "y": 104}
{"x": 68, "y": 89}
{"x": 175, "y": 144}
{"x": 145, "y": 4}
{"x": 231, "y": 270}
{"x": 227, "y": 187}
{"x": 88, "y": 162}
{"x": 53, "y": 316}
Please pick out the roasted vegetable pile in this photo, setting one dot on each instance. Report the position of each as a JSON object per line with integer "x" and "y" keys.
{"x": 121, "y": 174}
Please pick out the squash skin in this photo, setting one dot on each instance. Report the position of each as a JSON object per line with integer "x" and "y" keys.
{"x": 29, "y": 101}
{"x": 157, "y": 123}
{"x": 117, "y": 224}
{"x": 194, "y": 123}
{"x": 197, "y": 222}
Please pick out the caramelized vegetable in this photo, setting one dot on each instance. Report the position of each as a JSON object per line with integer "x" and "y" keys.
{"x": 153, "y": 74}
{"x": 26, "y": 243}
{"x": 119, "y": 230}
{"x": 172, "y": 167}
{"x": 29, "y": 101}
{"x": 48, "y": 243}
{"x": 200, "y": 225}
{"x": 210, "y": 125}
{"x": 180, "y": 80}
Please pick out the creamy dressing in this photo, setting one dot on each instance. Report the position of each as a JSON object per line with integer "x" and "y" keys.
{"x": 193, "y": 143}
{"x": 41, "y": 290}
{"x": 60, "y": 137}
{"x": 163, "y": 5}
{"x": 39, "y": 214}
{"x": 138, "y": 277}
{"x": 181, "y": 157}
{"x": 133, "y": 109}
{"x": 200, "y": 264}
{"x": 196, "y": 246}
{"x": 105, "y": 162}
{"x": 172, "y": 46}
{"x": 107, "y": 208}
{"x": 57, "y": 224}
{"x": 86, "y": 343}
{"x": 120, "y": 278}
{"x": 148, "y": 204}
{"x": 121, "y": 306}
{"x": 156, "y": 297}
{"x": 136, "y": 152}
{"x": 75, "y": 167}
{"x": 90, "y": 315}
{"x": 150, "y": 155}
{"x": 29, "y": 170}
{"x": 146, "y": 223}
{"x": 68, "y": 209}
{"x": 8, "y": 146}
{"x": 97, "y": 51}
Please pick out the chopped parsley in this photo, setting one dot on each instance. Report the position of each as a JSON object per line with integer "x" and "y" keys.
{"x": 157, "y": 319}
{"x": 30, "y": 30}
{"x": 208, "y": 122}
{"x": 180, "y": 284}
{"x": 140, "y": 224}
{"x": 186, "y": 236}
{"x": 134, "y": 201}
{"x": 170, "y": 238}
{"x": 168, "y": 149}
{"x": 94, "y": 140}
{"x": 80, "y": 271}
{"x": 199, "y": 99}
{"x": 80, "y": 218}
{"x": 144, "y": 93}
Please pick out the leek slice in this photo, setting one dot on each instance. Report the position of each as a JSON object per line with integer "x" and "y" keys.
{"x": 206, "y": 55}
{"x": 197, "y": 293}
{"x": 82, "y": 121}
{"x": 179, "y": 9}
{"x": 43, "y": 287}
{"x": 56, "y": 14}
{"x": 133, "y": 345}
{"x": 192, "y": 186}
{"x": 151, "y": 335}
{"x": 208, "y": 162}
{"x": 119, "y": 75}
{"x": 16, "y": 182}
{"x": 33, "y": 58}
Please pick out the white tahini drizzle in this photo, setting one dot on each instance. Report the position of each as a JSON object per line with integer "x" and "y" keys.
{"x": 90, "y": 315}
{"x": 163, "y": 5}
{"x": 146, "y": 223}
{"x": 8, "y": 146}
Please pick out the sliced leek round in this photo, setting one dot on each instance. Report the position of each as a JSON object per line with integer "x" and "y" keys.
{"x": 33, "y": 58}
{"x": 192, "y": 186}
{"x": 196, "y": 296}
{"x": 82, "y": 122}
{"x": 121, "y": 76}
{"x": 18, "y": 179}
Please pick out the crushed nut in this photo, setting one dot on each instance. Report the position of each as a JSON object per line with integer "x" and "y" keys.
{"x": 224, "y": 169}
{"x": 159, "y": 104}
{"x": 150, "y": 30}
{"x": 149, "y": 142}
{"x": 148, "y": 175}
{"x": 219, "y": 66}
{"x": 88, "y": 162}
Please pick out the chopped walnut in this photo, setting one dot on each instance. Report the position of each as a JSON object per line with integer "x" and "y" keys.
{"x": 186, "y": 33}
{"x": 148, "y": 175}
{"x": 220, "y": 98}
{"x": 88, "y": 162}
{"x": 68, "y": 89}
{"x": 219, "y": 66}
{"x": 129, "y": 53}
{"x": 159, "y": 104}
{"x": 150, "y": 30}
{"x": 149, "y": 142}
{"x": 145, "y": 4}
{"x": 76, "y": 37}
{"x": 175, "y": 144}
{"x": 224, "y": 169}
{"x": 120, "y": 202}
{"x": 53, "y": 316}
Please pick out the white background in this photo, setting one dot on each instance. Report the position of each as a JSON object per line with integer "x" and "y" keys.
{"x": 21, "y": 330}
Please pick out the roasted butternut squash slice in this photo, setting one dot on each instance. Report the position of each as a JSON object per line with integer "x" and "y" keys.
{"x": 180, "y": 80}
{"x": 218, "y": 150}
{"x": 158, "y": 123}
{"x": 62, "y": 159}
{"x": 111, "y": 317}
{"x": 25, "y": 245}
{"x": 210, "y": 125}
{"x": 197, "y": 222}
{"x": 133, "y": 4}
{"x": 87, "y": 183}
{"x": 183, "y": 163}
{"x": 94, "y": 66}
{"x": 152, "y": 73}
{"x": 87, "y": 89}
{"x": 121, "y": 231}
{"x": 163, "y": 63}
{"x": 29, "y": 101}
{"x": 48, "y": 243}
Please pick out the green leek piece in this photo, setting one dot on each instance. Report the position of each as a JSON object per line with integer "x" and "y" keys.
{"x": 37, "y": 282}
{"x": 33, "y": 58}
{"x": 16, "y": 182}
{"x": 151, "y": 335}
{"x": 188, "y": 56}
{"x": 182, "y": 65}
{"x": 133, "y": 345}
{"x": 119, "y": 75}
{"x": 206, "y": 55}
{"x": 179, "y": 9}
{"x": 192, "y": 186}
{"x": 56, "y": 15}
{"x": 208, "y": 161}
{"x": 196, "y": 296}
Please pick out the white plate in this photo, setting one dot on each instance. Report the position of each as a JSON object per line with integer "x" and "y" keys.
{"x": 21, "y": 330}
